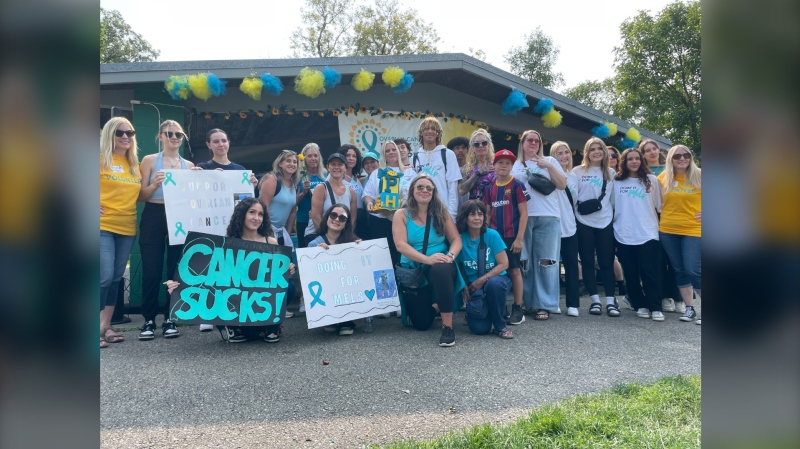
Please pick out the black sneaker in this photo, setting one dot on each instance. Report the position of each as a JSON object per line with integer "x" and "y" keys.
{"x": 169, "y": 330}
{"x": 271, "y": 337}
{"x": 582, "y": 291}
{"x": 237, "y": 335}
{"x": 517, "y": 317}
{"x": 448, "y": 337}
{"x": 689, "y": 315}
{"x": 148, "y": 331}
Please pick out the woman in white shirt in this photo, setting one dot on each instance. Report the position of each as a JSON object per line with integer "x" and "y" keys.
{"x": 569, "y": 239}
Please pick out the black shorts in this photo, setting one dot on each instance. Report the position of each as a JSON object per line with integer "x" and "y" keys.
{"x": 513, "y": 258}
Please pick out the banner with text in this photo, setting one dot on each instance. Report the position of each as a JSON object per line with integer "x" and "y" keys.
{"x": 230, "y": 281}
{"x": 202, "y": 200}
{"x": 370, "y": 132}
{"x": 347, "y": 282}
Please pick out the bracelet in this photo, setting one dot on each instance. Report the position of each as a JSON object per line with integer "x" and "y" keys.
{"x": 452, "y": 256}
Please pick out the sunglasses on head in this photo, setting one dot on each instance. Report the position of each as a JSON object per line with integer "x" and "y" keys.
{"x": 176, "y": 134}
{"x": 677, "y": 156}
{"x": 341, "y": 217}
{"x": 484, "y": 143}
{"x": 120, "y": 133}
{"x": 287, "y": 151}
{"x": 420, "y": 188}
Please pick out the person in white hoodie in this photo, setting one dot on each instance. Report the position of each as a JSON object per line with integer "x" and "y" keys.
{"x": 437, "y": 161}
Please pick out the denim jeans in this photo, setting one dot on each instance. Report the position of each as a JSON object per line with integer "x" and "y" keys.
{"x": 496, "y": 289}
{"x": 114, "y": 252}
{"x": 684, "y": 255}
{"x": 540, "y": 281}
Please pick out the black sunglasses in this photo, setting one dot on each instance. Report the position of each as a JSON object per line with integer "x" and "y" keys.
{"x": 342, "y": 218}
{"x": 120, "y": 133}
{"x": 677, "y": 156}
{"x": 484, "y": 143}
{"x": 176, "y": 134}
{"x": 613, "y": 156}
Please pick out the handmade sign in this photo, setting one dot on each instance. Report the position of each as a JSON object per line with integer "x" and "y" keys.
{"x": 230, "y": 281}
{"x": 202, "y": 200}
{"x": 347, "y": 282}
{"x": 388, "y": 189}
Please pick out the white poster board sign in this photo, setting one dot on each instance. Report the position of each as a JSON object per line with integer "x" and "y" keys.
{"x": 347, "y": 282}
{"x": 202, "y": 200}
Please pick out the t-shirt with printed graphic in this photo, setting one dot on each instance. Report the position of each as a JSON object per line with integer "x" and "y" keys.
{"x": 635, "y": 210}
{"x": 373, "y": 184}
{"x": 568, "y": 227}
{"x": 431, "y": 163}
{"x": 304, "y": 206}
{"x": 503, "y": 201}
{"x": 590, "y": 184}
{"x": 539, "y": 205}
{"x": 468, "y": 257}
{"x": 681, "y": 204}
{"x": 119, "y": 189}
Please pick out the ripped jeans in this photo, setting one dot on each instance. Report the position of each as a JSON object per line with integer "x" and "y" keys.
{"x": 540, "y": 281}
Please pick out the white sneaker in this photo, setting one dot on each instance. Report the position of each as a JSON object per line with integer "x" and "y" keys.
{"x": 658, "y": 316}
{"x": 302, "y": 309}
{"x": 668, "y": 305}
{"x": 289, "y": 314}
{"x": 572, "y": 311}
{"x": 643, "y": 313}
{"x": 680, "y": 307}
{"x": 206, "y": 327}
{"x": 697, "y": 321}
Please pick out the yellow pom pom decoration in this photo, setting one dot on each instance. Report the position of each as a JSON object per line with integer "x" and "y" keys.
{"x": 551, "y": 119}
{"x": 392, "y": 76}
{"x": 612, "y": 127}
{"x": 178, "y": 87}
{"x": 363, "y": 80}
{"x": 633, "y": 134}
{"x": 310, "y": 83}
{"x": 199, "y": 86}
{"x": 252, "y": 87}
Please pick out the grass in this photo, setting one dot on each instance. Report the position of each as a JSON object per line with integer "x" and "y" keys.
{"x": 662, "y": 414}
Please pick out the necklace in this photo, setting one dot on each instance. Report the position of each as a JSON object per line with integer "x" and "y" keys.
{"x": 171, "y": 165}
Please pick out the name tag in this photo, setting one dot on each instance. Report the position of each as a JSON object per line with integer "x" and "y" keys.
{"x": 116, "y": 168}
{"x": 675, "y": 184}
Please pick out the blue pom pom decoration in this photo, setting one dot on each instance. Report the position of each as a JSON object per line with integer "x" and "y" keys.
{"x": 177, "y": 86}
{"x": 405, "y": 83}
{"x": 514, "y": 103}
{"x": 215, "y": 85}
{"x": 627, "y": 143}
{"x": 601, "y": 131}
{"x": 332, "y": 77}
{"x": 272, "y": 84}
{"x": 544, "y": 106}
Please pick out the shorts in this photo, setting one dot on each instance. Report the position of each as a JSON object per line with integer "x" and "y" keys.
{"x": 513, "y": 259}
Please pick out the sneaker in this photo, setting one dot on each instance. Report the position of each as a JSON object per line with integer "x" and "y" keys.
{"x": 206, "y": 327}
{"x": 680, "y": 307}
{"x": 345, "y": 330}
{"x": 582, "y": 291}
{"x": 658, "y": 316}
{"x": 448, "y": 337}
{"x": 689, "y": 315}
{"x": 329, "y": 328}
{"x": 667, "y": 305}
{"x": 697, "y": 321}
{"x": 148, "y": 331}
{"x": 516, "y": 315}
{"x": 626, "y": 303}
{"x": 288, "y": 314}
{"x": 643, "y": 313}
{"x": 572, "y": 311}
{"x": 302, "y": 309}
{"x": 236, "y": 335}
{"x": 272, "y": 337}
{"x": 169, "y": 330}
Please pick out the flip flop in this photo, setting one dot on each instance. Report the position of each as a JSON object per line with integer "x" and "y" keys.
{"x": 505, "y": 334}
{"x": 542, "y": 315}
{"x": 114, "y": 338}
{"x": 103, "y": 343}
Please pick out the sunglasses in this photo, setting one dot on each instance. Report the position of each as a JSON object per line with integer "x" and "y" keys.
{"x": 287, "y": 151}
{"x": 484, "y": 143}
{"x": 341, "y": 217}
{"x": 120, "y": 133}
{"x": 613, "y": 156}
{"x": 677, "y": 156}
{"x": 170, "y": 134}
{"x": 536, "y": 141}
{"x": 420, "y": 188}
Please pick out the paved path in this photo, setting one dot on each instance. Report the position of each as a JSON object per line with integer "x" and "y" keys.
{"x": 198, "y": 391}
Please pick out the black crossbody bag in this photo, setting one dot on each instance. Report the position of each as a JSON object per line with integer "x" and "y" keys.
{"x": 591, "y": 206}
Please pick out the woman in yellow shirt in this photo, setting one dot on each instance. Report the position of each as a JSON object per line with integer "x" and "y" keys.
{"x": 680, "y": 225}
{"x": 120, "y": 182}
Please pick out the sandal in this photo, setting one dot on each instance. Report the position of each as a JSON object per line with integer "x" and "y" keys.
{"x": 103, "y": 343}
{"x": 114, "y": 338}
{"x": 542, "y": 315}
{"x": 505, "y": 334}
{"x": 613, "y": 309}
{"x": 596, "y": 309}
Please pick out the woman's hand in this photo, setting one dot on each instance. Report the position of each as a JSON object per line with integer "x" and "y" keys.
{"x": 465, "y": 295}
{"x": 478, "y": 283}
{"x": 324, "y": 246}
{"x": 358, "y": 241}
{"x": 291, "y": 269}
{"x": 196, "y": 168}
{"x": 369, "y": 205}
{"x": 171, "y": 285}
{"x": 698, "y": 216}
{"x": 543, "y": 163}
{"x": 516, "y": 247}
{"x": 102, "y": 211}
{"x": 306, "y": 185}
{"x": 439, "y": 258}
{"x": 158, "y": 178}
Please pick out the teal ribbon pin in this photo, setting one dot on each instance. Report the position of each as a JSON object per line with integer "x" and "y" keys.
{"x": 169, "y": 179}
{"x": 179, "y": 229}
{"x": 315, "y": 294}
{"x": 245, "y": 178}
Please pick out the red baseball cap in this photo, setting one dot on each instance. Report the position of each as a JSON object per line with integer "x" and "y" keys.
{"x": 504, "y": 154}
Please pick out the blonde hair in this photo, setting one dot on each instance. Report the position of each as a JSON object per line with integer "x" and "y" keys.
{"x": 430, "y": 122}
{"x": 107, "y": 146}
{"x": 382, "y": 160}
{"x": 164, "y": 125}
{"x": 520, "y": 151}
{"x": 472, "y": 158}
{"x": 586, "y": 164}
{"x": 554, "y": 151}
{"x": 321, "y": 166}
{"x": 662, "y": 160}
{"x": 278, "y": 171}
{"x": 692, "y": 176}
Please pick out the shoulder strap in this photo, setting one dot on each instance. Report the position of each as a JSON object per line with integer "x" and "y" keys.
{"x": 325, "y": 239}
{"x": 330, "y": 193}
{"x": 414, "y": 160}
{"x": 278, "y": 185}
{"x": 427, "y": 232}
{"x": 569, "y": 197}
{"x": 444, "y": 159}
{"x": 481, "y": 257}
{"x": 603, "y": 189}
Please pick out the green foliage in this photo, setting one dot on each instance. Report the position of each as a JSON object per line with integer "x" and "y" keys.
{"x": 535, "y": 60}
{"x": 385, "y": 29}
{"x": 477, "y": 53}
{"x": 601, "y": 95}
{"x": 119, "y": 43}
{"x": 326, "y": 24}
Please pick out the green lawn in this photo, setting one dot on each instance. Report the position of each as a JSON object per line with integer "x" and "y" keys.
{"x": 662, "y": 414}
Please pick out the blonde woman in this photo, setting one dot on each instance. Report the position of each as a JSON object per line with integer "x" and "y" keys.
{"x": 561, "y": 152}
{"x": 315, "y": 175}
{"x": 119, "y": 188}
{"x": 479, "y": 168}
{"x": 281, "y": 200}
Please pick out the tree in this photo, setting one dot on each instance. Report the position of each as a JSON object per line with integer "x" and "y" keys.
{"x": 326, "y": 24}
{"x": 477, "y": 53}
{"x": 384, "y": 29}
{"x": 600, "y": 95}
{"x": 658, "y": 72}
{"x": 535, "y": 60}
{"x": 119, "y": 43}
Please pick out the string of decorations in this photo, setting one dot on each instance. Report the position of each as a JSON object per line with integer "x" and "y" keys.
{"x": 202, "y": 86}
{"x": 608, "y": 129}
{"x": 517, "y": 101}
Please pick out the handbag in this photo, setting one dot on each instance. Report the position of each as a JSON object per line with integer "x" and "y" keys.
{"x": 541, "y": 183}
{"x": 476, "y": 305}
{"x": 591, "y": 206}
{"x": 413, "y": 278}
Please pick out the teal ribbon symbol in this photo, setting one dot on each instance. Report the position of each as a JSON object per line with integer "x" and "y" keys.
{"x": 370, "y": 145}
{"x": 169, "y": 179}
{"x": 245, "y": 178}
{"x": 315, "y": 294}
{"x": 179, "y": 229}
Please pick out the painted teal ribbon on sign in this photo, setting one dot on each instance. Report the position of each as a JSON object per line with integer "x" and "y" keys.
{"x": 169, "y": 179}
{"x": 245, "y": 178}
{"x": 315, "y": 294}
{"x": 179, "y": 229}
{"x": 370, "y": 145}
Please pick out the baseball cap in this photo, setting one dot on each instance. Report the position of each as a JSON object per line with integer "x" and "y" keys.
{"x": 339, "y": 156}
{"x": 371, "y": 155}
{"x": 504, "y": 154}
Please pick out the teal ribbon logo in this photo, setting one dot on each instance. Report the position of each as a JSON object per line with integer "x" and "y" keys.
{"x": 245, "y": 178}
{"x": 374, "y": 141}
{"x": 315, "y": 294}
{"x": 169, "y": 179}
{"x": 179, "y": 229}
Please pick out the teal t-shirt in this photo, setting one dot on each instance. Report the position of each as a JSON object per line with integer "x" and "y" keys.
{"x": 468, "y": 257}
{"x": 304, "y": 206}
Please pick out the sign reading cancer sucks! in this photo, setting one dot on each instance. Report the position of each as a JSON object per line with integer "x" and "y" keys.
{"x": 230, "y": 281}
{"x": 202, "y": 200}
{"x": 347, "y": 282}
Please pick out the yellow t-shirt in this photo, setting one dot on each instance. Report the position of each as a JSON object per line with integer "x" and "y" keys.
{"x": 680, "y": 206}
{"x": 119, "y": 189}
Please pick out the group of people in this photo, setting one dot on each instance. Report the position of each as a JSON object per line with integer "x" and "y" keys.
{"x": 475, "y": 219}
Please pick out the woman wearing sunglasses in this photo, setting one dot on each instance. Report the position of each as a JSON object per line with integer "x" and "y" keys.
{"x": 478, "y": 168}
{"x": 322, "y": 200}
{"x": 680, "y": 226}
{"x": 153, "y": 226}
{"x": 119, "y": 188}
{"x": 561, "y": 152}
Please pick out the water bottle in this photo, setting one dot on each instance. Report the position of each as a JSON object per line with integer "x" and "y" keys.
{"x": 368, "y": 324}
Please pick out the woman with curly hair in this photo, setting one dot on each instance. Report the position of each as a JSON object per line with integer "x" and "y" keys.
{"x": 479, "y": 168}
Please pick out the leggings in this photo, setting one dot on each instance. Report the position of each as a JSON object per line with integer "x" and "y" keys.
{"x": 152, "y": 243}
{"x": 569, "y": 256}
{"x": 441, "y": 280}
{"x": 591, "y": 240}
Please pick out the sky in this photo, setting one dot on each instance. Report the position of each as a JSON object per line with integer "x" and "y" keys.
{"x": 586, "y": 32}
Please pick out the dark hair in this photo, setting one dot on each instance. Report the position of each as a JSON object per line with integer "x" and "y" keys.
{"x": 347, "y": 235}
{"x": 458, "y": 142}
{"x": 466, "y": 210}
{"x": 356, "y": 168}
{"x": 404, "y": 142}
{"x": 240, "y": 214}
{"x": 214, "y": 131}
{"x": 642, "y": 172}
{"x": 437, "y": 211}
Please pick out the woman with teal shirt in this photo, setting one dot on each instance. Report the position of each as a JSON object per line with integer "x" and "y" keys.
{"x": 314, "y": 175}
{"x": 471, "y": 223}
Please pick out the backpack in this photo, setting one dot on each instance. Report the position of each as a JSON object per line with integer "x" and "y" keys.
{"x": 444, "y": 160}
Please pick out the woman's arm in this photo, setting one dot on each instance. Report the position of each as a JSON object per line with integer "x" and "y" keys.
{"x": 317, "y": 201}
{"x": 267, "y": 190}
{"x": 147, "y": 189}
{"x": 502, "y": 265}
{"x": 291, "y": 220}
{"x": 452, "y": 236}
{"x": 305, "y": 190}
{"x": 556, "y": 175}
{"x": 353, "y": 207}
{"x": 400, "y": 236}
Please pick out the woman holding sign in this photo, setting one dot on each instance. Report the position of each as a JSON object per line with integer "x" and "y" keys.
{"x": 334, "y": 190}
{"x": 153, "y": 232}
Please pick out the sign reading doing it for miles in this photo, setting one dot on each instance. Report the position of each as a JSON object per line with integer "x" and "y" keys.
{"x": 347, "y": 282}
{"x": 230, "y": 281}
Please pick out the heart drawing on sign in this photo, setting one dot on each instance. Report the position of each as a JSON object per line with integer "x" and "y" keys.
{"x": 369, "y": 293}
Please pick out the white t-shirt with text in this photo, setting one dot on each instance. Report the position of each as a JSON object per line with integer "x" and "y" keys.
{"x": 590, "y": 183}
{"x": 539, "y": 205}
{"x": 635, "y": 210}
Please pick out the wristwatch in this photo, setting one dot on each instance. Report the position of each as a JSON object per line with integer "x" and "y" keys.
{"x": 452, "y": 256}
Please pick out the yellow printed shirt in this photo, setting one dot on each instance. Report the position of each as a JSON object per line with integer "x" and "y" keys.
{"x": 119, "y": 189}
{"x": 680, "y": 206}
